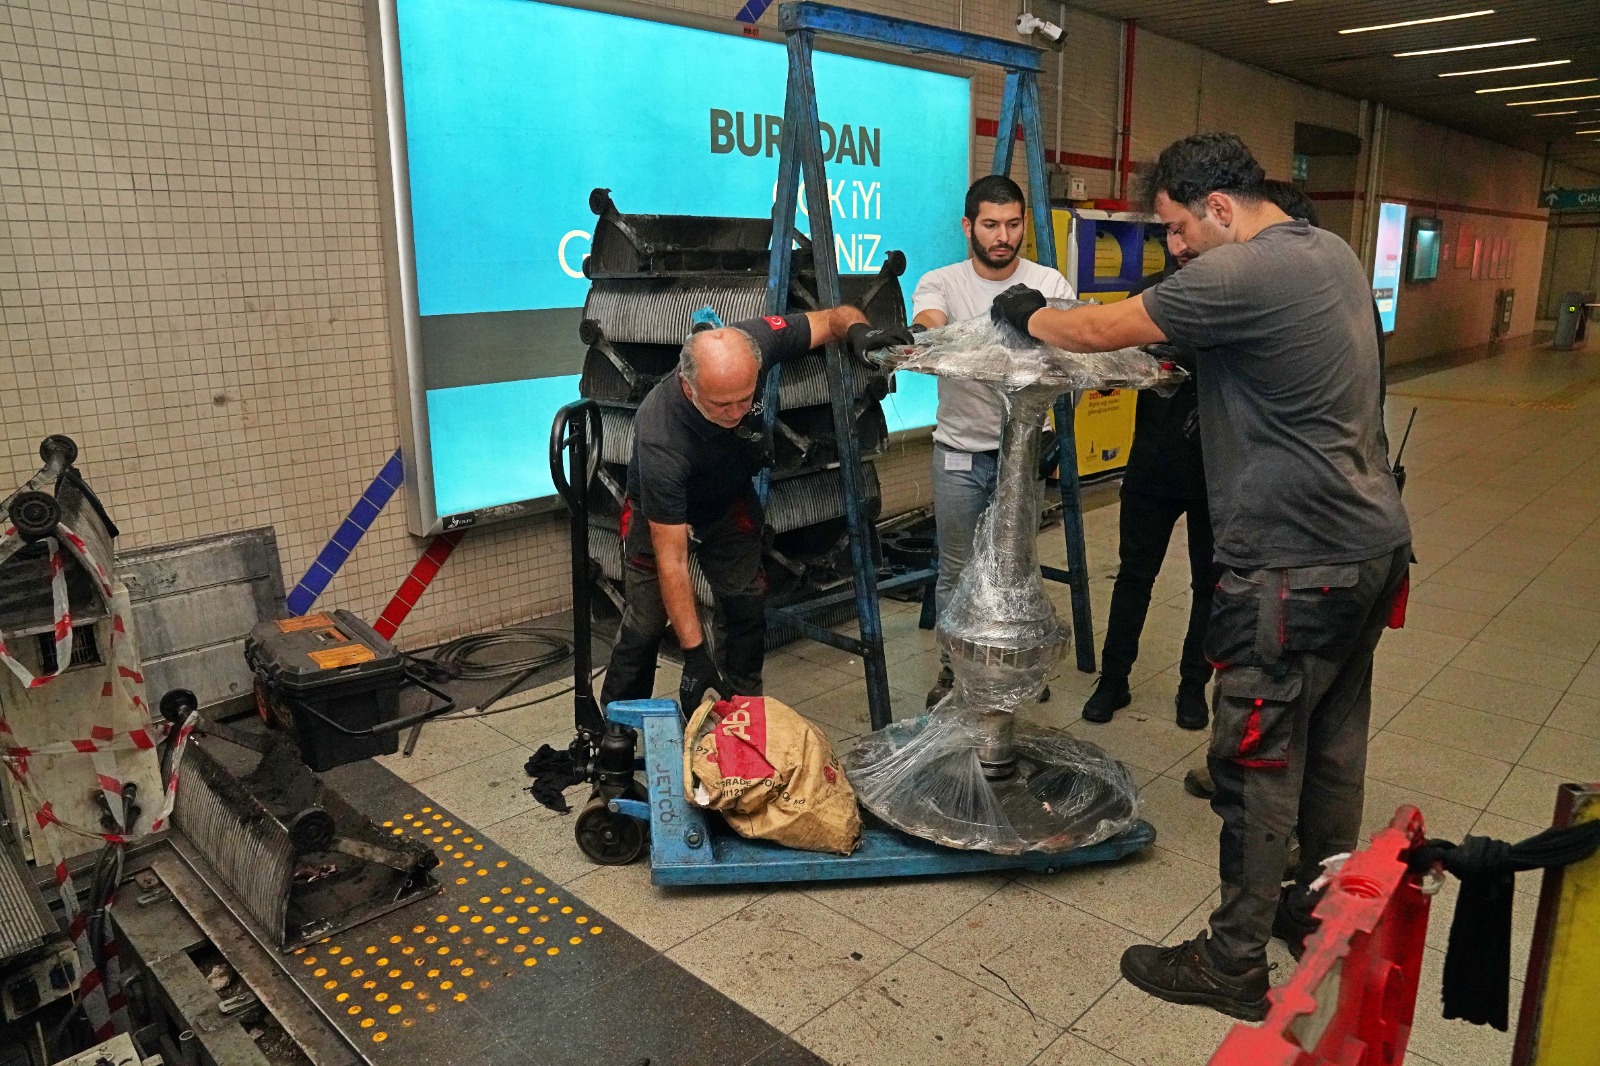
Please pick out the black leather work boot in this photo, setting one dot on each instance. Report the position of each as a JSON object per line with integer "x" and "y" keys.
{"x": 1188, "y": 974}
{"x": 1110, "y": 694}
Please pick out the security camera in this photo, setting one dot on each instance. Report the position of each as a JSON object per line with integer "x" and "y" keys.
{"x": 1029, "y": 23}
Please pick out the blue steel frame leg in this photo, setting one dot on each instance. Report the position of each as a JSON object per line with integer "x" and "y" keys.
{"x": 800, "y": 153}
{"x": 688, "y": 848}
{"x": 1020, "y": 102}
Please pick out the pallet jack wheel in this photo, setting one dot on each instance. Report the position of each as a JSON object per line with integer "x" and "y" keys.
{"x": 608, "y": 838}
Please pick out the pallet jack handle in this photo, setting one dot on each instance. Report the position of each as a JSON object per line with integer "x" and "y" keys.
{"x": 575, "y": 446}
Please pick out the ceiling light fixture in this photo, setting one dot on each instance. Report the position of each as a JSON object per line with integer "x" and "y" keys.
{"x": 1552, "y": 100}
{"x": 1535, "y": 85}
{"x": 1587, "y": 133}
{"x": 1548, "y": 114}
{"x": 1420, "y": 22}
{"x": 1466, "y": 47}
{"x": 1497, "y": 70}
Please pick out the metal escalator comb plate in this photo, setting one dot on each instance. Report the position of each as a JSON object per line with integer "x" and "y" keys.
{"x": 661, "y": 310}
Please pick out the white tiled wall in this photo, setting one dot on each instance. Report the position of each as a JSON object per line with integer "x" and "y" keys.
{"x": 191, "y": 265}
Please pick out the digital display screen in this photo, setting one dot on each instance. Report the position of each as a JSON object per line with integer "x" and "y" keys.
{"x": 515, "y": 110}
{"x": 1426, "y": 237}
{"x": 1387, "y": 260}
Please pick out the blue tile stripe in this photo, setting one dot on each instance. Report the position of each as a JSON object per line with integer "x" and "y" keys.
{"x": 345, "y": 538}
{"x": 752, "y": 11}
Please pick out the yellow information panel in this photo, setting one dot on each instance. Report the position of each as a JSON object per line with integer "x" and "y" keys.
{"x": 1104, "y": 426}
{"x": 1104, "y": 421}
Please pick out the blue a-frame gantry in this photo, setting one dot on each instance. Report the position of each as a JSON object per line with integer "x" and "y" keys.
{"x": 801, "y": 159}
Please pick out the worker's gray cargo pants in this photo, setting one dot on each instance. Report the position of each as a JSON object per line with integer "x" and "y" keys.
{"x": 1293, "y": 650}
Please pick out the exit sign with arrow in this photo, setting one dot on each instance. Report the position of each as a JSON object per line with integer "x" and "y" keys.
{"x": 1571, "y": 199}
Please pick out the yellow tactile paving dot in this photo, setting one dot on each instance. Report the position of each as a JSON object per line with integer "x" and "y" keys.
{"x": 475, "y": 932}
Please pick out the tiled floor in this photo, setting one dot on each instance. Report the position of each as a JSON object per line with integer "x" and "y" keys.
{"x": 1482, "y": 706}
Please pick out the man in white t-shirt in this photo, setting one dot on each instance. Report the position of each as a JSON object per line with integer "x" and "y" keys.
{"x": 966, "y": 440}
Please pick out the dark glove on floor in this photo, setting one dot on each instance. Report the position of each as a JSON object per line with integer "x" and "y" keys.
{"x": 1015, "y": 306}
{"x": 552, "y": 774}
{"x": 700, "y": 675}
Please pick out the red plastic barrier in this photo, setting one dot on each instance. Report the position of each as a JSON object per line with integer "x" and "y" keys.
{"x": 1351, "y": 999}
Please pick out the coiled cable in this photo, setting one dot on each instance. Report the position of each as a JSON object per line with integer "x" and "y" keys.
{"x": 467, "y": 657}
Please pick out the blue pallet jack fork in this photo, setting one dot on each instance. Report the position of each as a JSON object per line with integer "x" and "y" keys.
{"x": 800, "y": 158}
{"x": 690, "y": 847}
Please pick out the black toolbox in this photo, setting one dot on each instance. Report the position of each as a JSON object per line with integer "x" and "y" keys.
{"x": 327, "y": 679}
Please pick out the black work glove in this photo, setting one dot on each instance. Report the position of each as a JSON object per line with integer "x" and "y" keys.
{"x": 1170, "y": 353}
{"x": 700, "y": 675}
{"x": 863, "y": 337}
{"x": 1015, "y": 306}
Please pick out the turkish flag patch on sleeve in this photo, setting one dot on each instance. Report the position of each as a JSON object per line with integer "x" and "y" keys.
{"x": 776, "y": 322}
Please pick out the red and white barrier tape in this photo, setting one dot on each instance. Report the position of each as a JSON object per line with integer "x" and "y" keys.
{"x": 123, "y": 690}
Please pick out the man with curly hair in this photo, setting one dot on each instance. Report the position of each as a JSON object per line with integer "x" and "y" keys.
{"x": 1311, "y": 537}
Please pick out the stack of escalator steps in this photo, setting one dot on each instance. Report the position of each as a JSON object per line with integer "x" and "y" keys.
{"x": 648, "y": 275}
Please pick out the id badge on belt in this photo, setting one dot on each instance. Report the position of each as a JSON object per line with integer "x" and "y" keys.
{"x": 958, "y": 460}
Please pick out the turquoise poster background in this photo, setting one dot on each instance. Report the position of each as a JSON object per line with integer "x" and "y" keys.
{"x": 515, "y": 110}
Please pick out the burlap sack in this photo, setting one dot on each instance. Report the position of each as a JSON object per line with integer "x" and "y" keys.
{"x": 771, "y": 773}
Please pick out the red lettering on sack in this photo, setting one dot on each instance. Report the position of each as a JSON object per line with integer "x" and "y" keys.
{"x": 742, "y": 738}
{"x": 776, "y": 322}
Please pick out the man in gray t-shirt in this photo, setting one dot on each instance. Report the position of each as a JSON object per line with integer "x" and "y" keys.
{"x": 1311, "y": 538}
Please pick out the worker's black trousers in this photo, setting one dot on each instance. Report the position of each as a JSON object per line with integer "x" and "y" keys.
{"x": 729, "y": 554}
{"x": 1145, "y": 528}
{"x": 1289, "y": 732}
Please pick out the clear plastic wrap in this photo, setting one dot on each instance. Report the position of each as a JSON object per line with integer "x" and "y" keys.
{"x": 969, "y": 774}
{"x": 924, "y": 777}
{"x": 977, "y": 349}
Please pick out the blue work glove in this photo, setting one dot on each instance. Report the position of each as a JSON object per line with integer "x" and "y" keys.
{"x": 1015, "y": 306}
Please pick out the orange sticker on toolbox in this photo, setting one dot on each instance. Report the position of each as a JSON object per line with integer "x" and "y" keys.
{"x": 306, "y": 621}
{"x": 349, "y": 655}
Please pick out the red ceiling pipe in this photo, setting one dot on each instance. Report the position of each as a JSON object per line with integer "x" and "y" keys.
{"x": 1130, "y": 33}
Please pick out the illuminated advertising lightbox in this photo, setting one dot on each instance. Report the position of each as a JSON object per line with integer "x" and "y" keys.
{"x": 1387, "y": 261}
{"x": 513, "y": 111}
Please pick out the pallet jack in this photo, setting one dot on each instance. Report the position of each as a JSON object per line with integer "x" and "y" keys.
{"x": 687, "y": 847}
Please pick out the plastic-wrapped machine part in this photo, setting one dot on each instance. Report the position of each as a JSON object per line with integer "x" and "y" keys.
{"x": 924, "y": 776}
{"x": 969, "y": 774}
{"x": 978, "y": 349}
